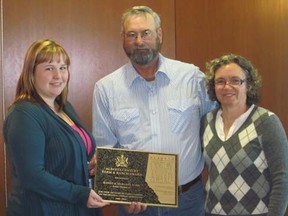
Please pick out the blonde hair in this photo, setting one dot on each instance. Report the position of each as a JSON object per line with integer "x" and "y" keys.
{"x": 44, "y": 50}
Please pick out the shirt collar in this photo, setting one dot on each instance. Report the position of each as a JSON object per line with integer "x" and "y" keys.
{"x": 162, "y": 71}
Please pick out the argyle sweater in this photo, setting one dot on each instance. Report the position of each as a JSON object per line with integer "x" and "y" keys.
{"x": 248, "y": 173}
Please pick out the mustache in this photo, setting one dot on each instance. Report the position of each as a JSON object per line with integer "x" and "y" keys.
{"x": 143, "y": 46}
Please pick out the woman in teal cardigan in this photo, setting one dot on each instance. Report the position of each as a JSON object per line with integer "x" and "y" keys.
{"x": 48, "y": 147}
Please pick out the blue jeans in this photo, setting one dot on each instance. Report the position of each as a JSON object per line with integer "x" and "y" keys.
{"x": 190, "y": 203}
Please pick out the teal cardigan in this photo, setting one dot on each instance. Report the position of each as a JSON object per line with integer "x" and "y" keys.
{"x": 48, "y": 162}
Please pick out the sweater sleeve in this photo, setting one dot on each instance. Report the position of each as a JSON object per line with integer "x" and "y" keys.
{"x": 25, "y": 141}
{"x": 275, "y": 147}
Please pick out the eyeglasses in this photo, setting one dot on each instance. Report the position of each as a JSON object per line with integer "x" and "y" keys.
{"x": 232, "y": 82}
{"x": 145, "y": 35}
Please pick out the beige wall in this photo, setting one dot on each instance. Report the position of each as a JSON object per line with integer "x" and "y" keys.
{"x": 194, "y": 31}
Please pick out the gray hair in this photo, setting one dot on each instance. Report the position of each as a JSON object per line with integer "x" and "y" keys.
{"x": 140, "y": 10}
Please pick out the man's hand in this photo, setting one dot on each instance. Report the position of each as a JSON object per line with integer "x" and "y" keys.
{"x": 135, "y": 207}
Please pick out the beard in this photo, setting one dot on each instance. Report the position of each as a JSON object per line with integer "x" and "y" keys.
{"x": 143, "y": 55}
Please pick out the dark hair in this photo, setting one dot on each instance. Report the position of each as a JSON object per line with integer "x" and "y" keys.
{"x": 253, "y": 79}
{"x": 40, "y": 51}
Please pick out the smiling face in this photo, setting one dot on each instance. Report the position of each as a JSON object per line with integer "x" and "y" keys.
{"x": 141, "y": 50}
{"x": 231, "y": 95}
{"x": 50, "y": 78}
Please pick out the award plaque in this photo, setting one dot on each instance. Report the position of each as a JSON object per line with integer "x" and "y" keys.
{"x": 125, "y": 176}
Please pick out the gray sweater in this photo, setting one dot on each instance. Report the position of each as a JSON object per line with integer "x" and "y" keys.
{"x": 248, "y": 173}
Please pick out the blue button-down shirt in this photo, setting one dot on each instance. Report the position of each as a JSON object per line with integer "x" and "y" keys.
{"x": 160, "y": 116}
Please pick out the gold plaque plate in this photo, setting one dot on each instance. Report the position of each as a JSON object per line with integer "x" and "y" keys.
{"x": 125, "y": 176}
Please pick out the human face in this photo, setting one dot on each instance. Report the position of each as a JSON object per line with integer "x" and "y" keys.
{"x": 50, "y": 78}
{"x": 141, "y": 50}
{"x": 230, "y": 95}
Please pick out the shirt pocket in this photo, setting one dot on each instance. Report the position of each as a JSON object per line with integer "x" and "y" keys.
{"x": 182, "y": 113}
{"x": 127, "y": 123}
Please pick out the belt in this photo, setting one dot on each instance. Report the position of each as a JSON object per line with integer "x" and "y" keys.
{"x": 187, "y": 186}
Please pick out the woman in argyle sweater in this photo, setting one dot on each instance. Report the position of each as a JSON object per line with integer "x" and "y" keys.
{"x": 245, "y": 146}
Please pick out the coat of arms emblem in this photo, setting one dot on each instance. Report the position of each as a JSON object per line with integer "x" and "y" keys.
{"x": 121, "y": 161}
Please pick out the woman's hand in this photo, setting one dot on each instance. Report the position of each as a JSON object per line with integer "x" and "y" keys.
{"x": 95, "y": 201}
{"x": 92, "y": 166}
{"x": 135, "y": 207}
